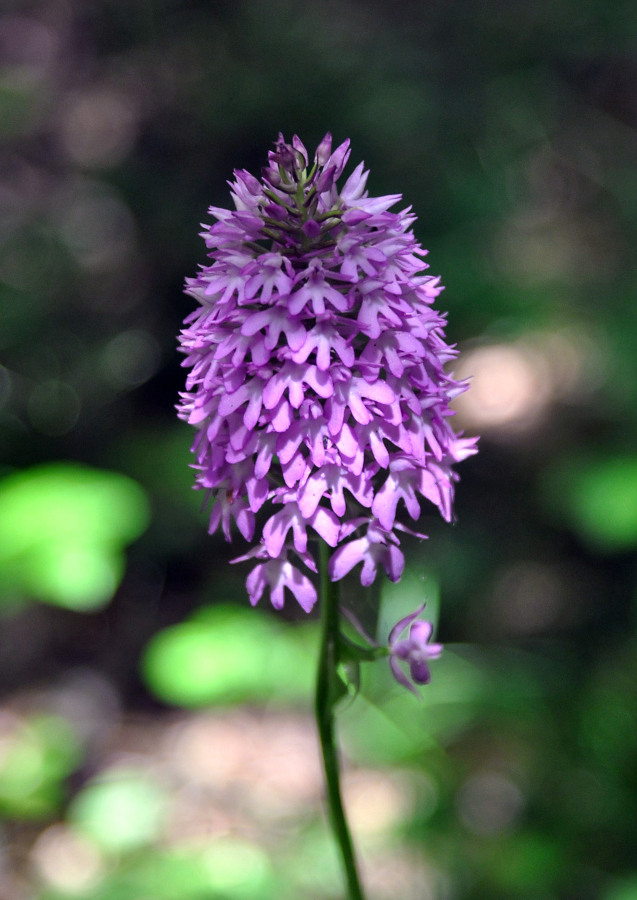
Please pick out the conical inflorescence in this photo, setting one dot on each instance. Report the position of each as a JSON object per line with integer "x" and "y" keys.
{"x": 317, "y": 374}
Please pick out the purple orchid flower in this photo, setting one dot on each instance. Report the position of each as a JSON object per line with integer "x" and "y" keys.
{"x": 414, "y": 649}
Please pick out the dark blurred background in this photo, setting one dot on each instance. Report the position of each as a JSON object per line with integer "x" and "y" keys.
{"x": 154, "y": 731}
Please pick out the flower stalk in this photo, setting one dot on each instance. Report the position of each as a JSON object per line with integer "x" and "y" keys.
{"x": 327, "y": 695}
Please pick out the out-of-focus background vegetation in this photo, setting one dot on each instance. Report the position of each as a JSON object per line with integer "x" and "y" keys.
{"x": 155, "y": 739}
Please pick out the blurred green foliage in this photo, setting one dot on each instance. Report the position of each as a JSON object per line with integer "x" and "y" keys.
{"x": 119, "y": 813}
{"x": 63, "y": 528}
{"x": 597, "y": 496}
{"x": 512, "y": 130}
{"x": 39, "y": 753}
{"x": 225, "y": 655}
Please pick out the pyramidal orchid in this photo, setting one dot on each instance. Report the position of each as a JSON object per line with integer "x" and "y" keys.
{"x": 317, "y": 375}
{"x": 319, "y": 390}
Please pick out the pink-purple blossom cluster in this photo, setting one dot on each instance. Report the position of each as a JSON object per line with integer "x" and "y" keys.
{"x": 317, "y": 379}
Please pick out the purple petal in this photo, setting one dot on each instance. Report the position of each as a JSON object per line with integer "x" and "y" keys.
{"x": 400, "y": 677}
{"x": 245, "y": 523}
{"x": 400, "y": 626}
{"x": 275, "y": 532}
{"x": 319, "y": 381}
{"x": 355, "y": 184}
{"x": 323, "y": 150}
{"x": 257, "y": 493}
{"x": 325, "y": 523}
{"x": 299, "y": 146}
{"x": 288, "y": 443}
{"x": 355, "y": 216}
{"x": 420, "y": 672}
{"x": 346, "y": 557}
{"x": 346, "y": 441}
{"x": 421, "y": 632}
{"x": 385, "y": 503}
{"x": 256, "y": 583}
{"x": 294, "y": 470}
{"x": 273, "y": 390}
{"x": 312, "y": 493}
{"x": 394, "y": 563}
{"x": 339, "y": 157}
{"x": 301, "y": 587}
{"x": 311, "y": 229}
{"x": 282, "y": 418}
{"x": 381, "y": 454}
{"x": 368, "y": 572}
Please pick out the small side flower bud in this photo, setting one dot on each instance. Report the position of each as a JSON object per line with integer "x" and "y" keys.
{"x": 415, "y": 650}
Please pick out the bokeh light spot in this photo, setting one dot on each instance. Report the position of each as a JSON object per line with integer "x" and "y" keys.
{"x": 95, "y": 223}
{"x": 509, "y": 387}
{"x": 54, "y": 408}
{"x": 98, "y": 127}
{"x": 66, "y": 861}
{"x": 120, "y": 811}
{"x": 131, "y": 358}
{"x": 489, "y": 803}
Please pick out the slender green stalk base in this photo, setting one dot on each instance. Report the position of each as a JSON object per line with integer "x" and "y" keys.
{"x": 325, "y": 698}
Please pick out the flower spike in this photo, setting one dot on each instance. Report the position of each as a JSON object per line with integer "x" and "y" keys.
{"x": 317, "y": 377}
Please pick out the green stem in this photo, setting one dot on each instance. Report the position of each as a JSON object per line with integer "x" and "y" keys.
{"x": 325, "y": 698}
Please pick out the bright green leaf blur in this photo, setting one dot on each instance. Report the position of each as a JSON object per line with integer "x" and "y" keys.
{"x": 120, "y": 812}
{"x": 62, "y": 531}
{"x": 227, "y": 654}
{"x": 625, "y": 890}
{"x": 400, "y": 599}
{"x": 236, "y": 868}
{"x": 221, "y": 868}
{"x": 37, "y": 754}
{"x": 598, "y": 499}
